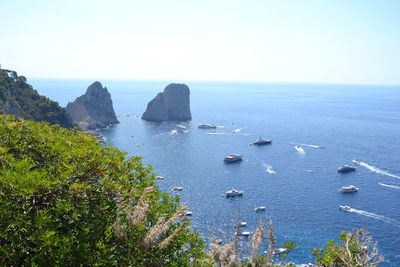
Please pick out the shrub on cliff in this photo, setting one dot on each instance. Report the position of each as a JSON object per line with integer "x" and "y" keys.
{"x": 65, "y": 200}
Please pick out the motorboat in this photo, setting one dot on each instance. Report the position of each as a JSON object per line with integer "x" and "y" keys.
{"x": 260, "y": 141}
{"x": 344, "y": 208}
{"x": 240, "y": 224}
{"x": 346, "y": 168}
{"x": 159, "y": 177}
{"x": 260, "y": 208}
{"x": 177, "y": 188}
{"x": 206, "y": 126}
{"x": 233, "y": 158}
{"x": 234, "y": 193}
{"x": 349, "y": 189}
{"x": 277, "y": 251}
{"x": 243, "y": 233}
{"x": 299, "y": 148}
{"x": 189, "y": 213}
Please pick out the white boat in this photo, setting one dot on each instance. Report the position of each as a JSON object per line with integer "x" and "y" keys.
{"x": 177, "y": 188}
{"x": 277, "y": 251}
{"x": 159, "y": 177}
{"x": 349, "y": 189}
{"x": 356, "y": 161}
{"x": 346, "y": 168}
{"x": 234, "y": 193}
{"x": 233, "y": 158}
{"x": 345, "y": 208}
{"x": 207, "y": 126}
{"x": 260, "y": 208}
{"x": 189, "y": 213}
{"x": 240, "y": 224}
{"x": 243, "y": 233}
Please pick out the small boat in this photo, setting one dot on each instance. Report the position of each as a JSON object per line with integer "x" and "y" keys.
{"x": 234, "y": 193}
{"x": 173, "y": 132}
{"x": 357, "y": 161}
{"x": 240, "y": 224}
{"x": 346, "y": 168}
{"x": 189, "y": 213}
{"x": 260, "y": 209}
{"x": 260, "y": 141}
{"x": 277, "y": 251}
{"x": 345, "y": 208}
{"x": 177, "y": 188}
{"x": 159, "y": 177}
{"x": 349, "y": 189}
{"x": 233, "y": 158}
{"x": 206, "y": 126}
{"x": 243, "y": 233}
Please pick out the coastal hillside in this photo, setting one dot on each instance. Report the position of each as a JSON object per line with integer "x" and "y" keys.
{"x": 18, "y": 98}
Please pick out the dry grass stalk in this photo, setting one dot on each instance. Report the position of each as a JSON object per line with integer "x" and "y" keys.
{"x": 134, "y": 214}
{"x": 167, "y": 241}
{"x": 271, "y": 241}
{"x": 225, "y": 256}
{"x": 161, "y": 227}
{"x": 257, "y": 238}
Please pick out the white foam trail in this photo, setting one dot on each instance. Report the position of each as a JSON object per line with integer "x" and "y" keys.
{"x": 268, "y": 168}
{"x": 299, "y": 149}
{"x": 218, "y": 133}
{"x": 375, "y": 169}
{"x": 390, "y": 185}
{"x": 313, "y": 146}
{"x": 376, "y": 216}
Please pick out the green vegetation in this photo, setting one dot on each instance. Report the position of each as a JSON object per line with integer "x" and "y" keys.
{"x": 67, "y": 201}
{"x": 19, "y": 98}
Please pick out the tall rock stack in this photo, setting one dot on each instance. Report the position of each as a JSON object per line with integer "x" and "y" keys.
{"x": 171, "y": 105}
{"x": 94, "y": 109}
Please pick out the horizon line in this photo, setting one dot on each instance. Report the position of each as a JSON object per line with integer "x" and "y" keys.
{"x": 211, "y": 80}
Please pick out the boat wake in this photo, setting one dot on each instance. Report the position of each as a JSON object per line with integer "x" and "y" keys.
{"x": 376, "y": 216}
{"x": 218, "y": 133}
{"x": 390, "y": 186}
{"x": 375, "y": 169}
{"x": 299, "y": 149}
{"x": 313, "y": 146}
{"x": 268, "y": 168}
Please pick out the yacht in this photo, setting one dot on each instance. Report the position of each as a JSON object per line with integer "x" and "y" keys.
{"x": 346, "y": 168}
{"x": 233, "y": 158}
{"x": 260, "y": 208}
{"x": 177, "y": 188}
{"x": 207, "y": 126}
{"x": 240, "y": 224}
{"x": 260, "y": 141}
{"x": 349, "y": 189}
{"x": 345, "y": 208}
{"x": 243, "y": 233}
{"x": 189, "y": 213}
{"x": 234, "y": 193}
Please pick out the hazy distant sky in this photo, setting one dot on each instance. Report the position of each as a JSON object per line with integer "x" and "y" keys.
{"x": 331, "y": 41}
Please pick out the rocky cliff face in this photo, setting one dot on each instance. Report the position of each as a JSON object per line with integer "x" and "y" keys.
{"x": 94, "y": 109}
{"x": 172, "y": 104}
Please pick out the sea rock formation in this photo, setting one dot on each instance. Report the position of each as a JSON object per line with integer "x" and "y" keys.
{"x": 94, "y": 109}
{"x": 172, "y": 104}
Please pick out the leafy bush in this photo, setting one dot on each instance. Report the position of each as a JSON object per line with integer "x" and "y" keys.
{"x": 65, "y": 200}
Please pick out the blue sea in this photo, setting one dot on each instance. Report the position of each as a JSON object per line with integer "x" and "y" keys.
{"x": 303, "y": 197}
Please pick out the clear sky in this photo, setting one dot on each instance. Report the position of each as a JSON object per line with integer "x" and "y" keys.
{"x": 335, "y": 41}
